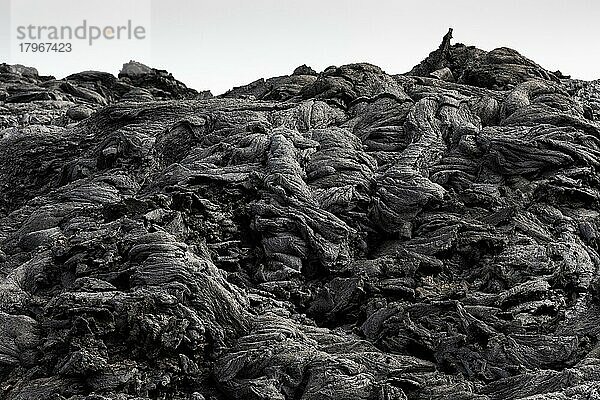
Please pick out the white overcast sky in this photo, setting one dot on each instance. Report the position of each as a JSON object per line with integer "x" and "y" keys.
{"x": 220, "y": 44}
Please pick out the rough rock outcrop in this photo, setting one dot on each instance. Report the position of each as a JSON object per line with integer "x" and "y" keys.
{"x": 343, "y": 235}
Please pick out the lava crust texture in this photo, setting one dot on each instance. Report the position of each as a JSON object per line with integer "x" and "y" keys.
{"x": 347, "y": 234}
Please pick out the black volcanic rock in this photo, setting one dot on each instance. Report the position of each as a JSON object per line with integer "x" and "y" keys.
{"x": 304, "y": 70}
{"x": 343, "y": 235}
{"x": 499, "y": 69}
{"x": 159, "y": 82}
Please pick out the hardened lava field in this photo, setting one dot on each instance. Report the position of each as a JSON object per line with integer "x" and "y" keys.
{"x": 347, "y": 234}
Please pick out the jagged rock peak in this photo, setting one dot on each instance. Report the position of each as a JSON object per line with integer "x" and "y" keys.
{"x": 500, "y": 69}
